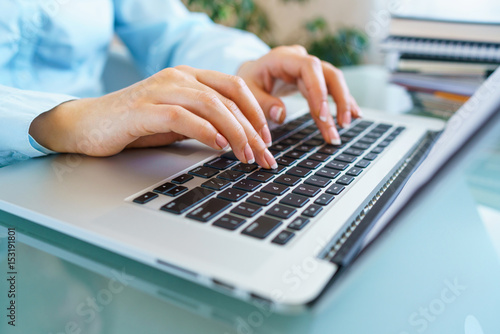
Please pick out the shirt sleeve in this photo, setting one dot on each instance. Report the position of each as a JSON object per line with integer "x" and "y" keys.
{"x": 163, "y": 33}
{"x": 18, "y": 108}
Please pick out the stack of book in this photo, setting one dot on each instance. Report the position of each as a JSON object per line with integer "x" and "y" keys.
{"x": 441, "y": 61}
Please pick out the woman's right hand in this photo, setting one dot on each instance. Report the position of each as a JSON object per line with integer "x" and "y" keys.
{"x": 176, "y": 103}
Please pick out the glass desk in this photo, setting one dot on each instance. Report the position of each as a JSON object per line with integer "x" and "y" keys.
{"x": 437, "y": 272}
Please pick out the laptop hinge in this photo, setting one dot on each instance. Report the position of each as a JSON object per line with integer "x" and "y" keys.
{"x": 344, "y": 249}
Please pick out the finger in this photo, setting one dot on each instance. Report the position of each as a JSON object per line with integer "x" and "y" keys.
{"x": 337, "y": 87}
{"x": 239, "y": 100}
{"x": 164, "y": 119}
{"x": 273, "y": 107}
{"x": 235, "y": 89}
{"x": 355, "y": 109}
{"x": 308, "y": 73}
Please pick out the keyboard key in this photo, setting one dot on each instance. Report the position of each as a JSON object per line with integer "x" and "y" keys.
{"x": 354, "y": 171}
{"x": 209, "y": 209}
{"x": 309, "y": 164}
{"x": 360, "y": 146}
{"x": 285, "y": 161}
{"x": 353, "y": 151}
{"x": 182, "y": 178}
{"x": 321, "y": 157}
{"x": 216, "y": 184}
{"x": 281, "y": 211}
{"x": 384, "y": 143}
{"x": 295, "y": 154}
{"x": 328, "y": 172}
{"x": 144, "y": 198}
{"x": 188, "y": 200}
{"x": 374, "y": 134}
{"x": 370, "y": 156}
{"x": 337, "y": 165}
{"x": 318, "y": 181}
{"x": 205, "y": 172}
{"x": 164, "y": 187}
{"x": 306, "y": 190}
{"x": 233, "y": 195}
{"x": 364, "y": 124}
{"x": 283, "y": 237}
{"x": 279, "y": 147}
{"x": 275, "y": 153}
{"x": 290, "y": 141}
{"x": 363, "y": 164}
{"x": 312, "y": 210}
{"x": 298, "y": 171}
{"x": 368, "y": 140}
{"x": 262, "y": 227}
{"x": 305, "y": 148}
{"x": 246, "y": 209}
{"x": 277, "y": 170}
{"x": 328, "y": 149}
{"x": 345, "y": 180}
{"x": 335, "y": 189}
{"x": 275, "y": 189}
{"x": 324, "y": 199}
{"x": 220, "y": 163}
{"x": 378, "y": 150}
{"x": 288, "y": 180}
{"x": 294, "y": 200}
{"x": 247, "y": 185}
{"x": 261, "y": 198}
{"x": 231, "y": 175}
{"x": 390, "y": 138}
{"x": 260, "y": 176}
{"x": 345, "y": 158}
{"x": 298, "y": 223}
{"x": 345, "y": 139}
{"x": 229, "y": 155}
{"x": 298, "y": 136}
{"x": 229, "y": 222}
{"x": 351, "y": 133}
{"x": 245, "y": 168}
{"x": 175, "y": 191}
{"x": 315, "y": 142}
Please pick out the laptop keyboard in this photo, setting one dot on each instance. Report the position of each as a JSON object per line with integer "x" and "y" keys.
{"x": 310, "y": 176}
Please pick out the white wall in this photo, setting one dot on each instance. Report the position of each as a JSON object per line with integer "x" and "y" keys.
{"x": 372, "y": 16}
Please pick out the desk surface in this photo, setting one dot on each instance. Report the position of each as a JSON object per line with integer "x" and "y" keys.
{"x": 419, "y": 277}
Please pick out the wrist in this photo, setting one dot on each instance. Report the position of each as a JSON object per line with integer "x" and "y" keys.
{"x": 55, "y": 129}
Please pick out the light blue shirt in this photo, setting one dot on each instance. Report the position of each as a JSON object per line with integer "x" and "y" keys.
{"x": 52, "y": 51}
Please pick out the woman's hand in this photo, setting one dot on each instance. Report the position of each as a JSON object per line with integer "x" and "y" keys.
{"x": 314, "y": 78}
{"x": 176, "y": 103}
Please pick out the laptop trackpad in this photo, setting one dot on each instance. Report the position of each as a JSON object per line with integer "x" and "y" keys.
{"x": 180, "y": 241}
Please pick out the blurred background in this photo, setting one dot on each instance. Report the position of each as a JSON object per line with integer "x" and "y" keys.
{"x": 439, "y": 51}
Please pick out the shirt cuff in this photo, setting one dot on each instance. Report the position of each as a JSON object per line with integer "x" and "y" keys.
{"x": 39, "y": 147}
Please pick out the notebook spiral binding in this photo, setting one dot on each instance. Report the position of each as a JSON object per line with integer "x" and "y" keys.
{"x": 435, "y": 49}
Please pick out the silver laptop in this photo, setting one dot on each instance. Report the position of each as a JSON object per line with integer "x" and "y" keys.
{"x": 276, "y": 236}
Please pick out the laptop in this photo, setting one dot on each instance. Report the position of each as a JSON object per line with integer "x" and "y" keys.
{"x": 428, "y": 281}
{"x": 278, "y": 237}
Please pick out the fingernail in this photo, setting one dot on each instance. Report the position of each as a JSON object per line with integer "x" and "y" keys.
{"x": 334, "y": 136}
{"x": 275, "y": 113}
{"x": 265, "y": 134}
{"x": 360, "y": 114}
{"x": 249, "y": 154}
{"x": 221, "y": 141}
{"x": 324, "y": 112}
{"x": 270, "y": 159}
{"x": 347, "y": 121}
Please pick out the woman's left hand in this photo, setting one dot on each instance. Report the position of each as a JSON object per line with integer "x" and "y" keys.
{"x": 314, "y": 78}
